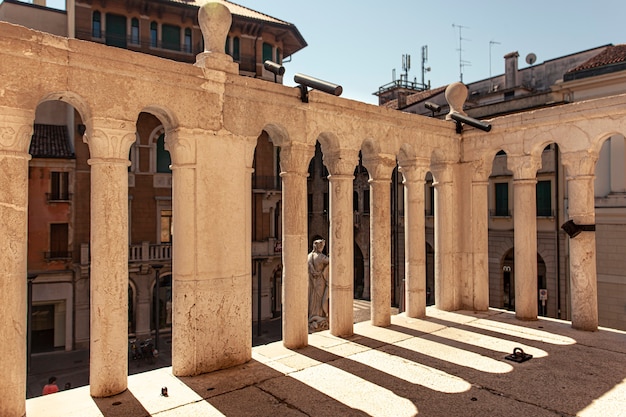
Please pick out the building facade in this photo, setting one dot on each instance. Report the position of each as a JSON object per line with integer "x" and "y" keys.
{"x": 59, "y": 249}
{"x": 593, "y": 73}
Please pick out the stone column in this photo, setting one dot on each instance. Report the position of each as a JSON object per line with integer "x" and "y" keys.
{"x": 16, "y": 130}
{"x": 480, "y": 237}
{"x": 380, "y": 168}
{"x": 212, "y": 314}
{"x": 579, "y": 168}
{"x": 294, "y": 163}
{"x": 109, "y": 144}
{"x": 341, "y": 241}
{"x": 524, "y": 169}
{"x": 446, "y": 291}
{"x": 414, "y": 173}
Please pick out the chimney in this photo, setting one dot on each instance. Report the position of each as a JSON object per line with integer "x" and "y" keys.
{"x": 402, "y": 99}
{"x": 510, "y": 70}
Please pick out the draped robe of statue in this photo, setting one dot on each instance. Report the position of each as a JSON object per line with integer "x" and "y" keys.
{"x": 318, "y": 287}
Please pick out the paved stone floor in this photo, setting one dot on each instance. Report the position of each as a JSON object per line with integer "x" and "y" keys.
{"x": 448, "y": 364}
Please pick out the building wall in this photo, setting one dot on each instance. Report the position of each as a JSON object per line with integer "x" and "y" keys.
{"x": 34, "y": 16}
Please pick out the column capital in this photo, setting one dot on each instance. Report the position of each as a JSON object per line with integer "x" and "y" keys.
{"x": 181, "y": 144}
{"x": 16, "y": 130}
{"x": 414, "y": 170}
{"x": 110, "y": 139}
{"x": 581, "y": 163}
{"x": 523, "y": 166}
{"x": 481, "y": 170}
{"x": 341, "y": 162}
{"x": 442, "y": 173}
{"x": 295, "y": 158}
{"x": 380, "y": 166}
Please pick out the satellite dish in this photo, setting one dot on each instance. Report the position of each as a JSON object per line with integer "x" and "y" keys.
{"x": 531, "y": 58}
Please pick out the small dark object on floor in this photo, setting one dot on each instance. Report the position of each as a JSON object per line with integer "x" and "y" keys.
{"x": 518, "y": 355}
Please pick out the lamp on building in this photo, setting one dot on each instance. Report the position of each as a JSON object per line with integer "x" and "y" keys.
{"x": 434, "y": 108}
{"x": 460, "y": 119}
{"x": 572, "y": 229}
{"x": 306, "y": 81}
{"x": 30, "y": 278}
{"x": 274, "y": 68}
{"x": 157, "y": 289}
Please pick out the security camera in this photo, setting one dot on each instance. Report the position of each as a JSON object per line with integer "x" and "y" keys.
{"x": 274, "y": 68}
{"x": 306, "y": 81}
{"x": 459, "y": 118}
{"x": 432, "y": 107}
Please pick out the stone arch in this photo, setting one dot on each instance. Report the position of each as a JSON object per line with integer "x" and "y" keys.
{"x": 277, "y": 134}
{"x": 75, "y": 100}
{"x": 329, "y": 142}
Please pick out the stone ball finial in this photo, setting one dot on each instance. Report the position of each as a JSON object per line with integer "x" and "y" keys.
{"x": 215, "y": 20}
{"x": 456, "y": 94}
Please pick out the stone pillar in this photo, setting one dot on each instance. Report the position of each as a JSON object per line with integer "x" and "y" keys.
{"x": 341, "y": 241}
{"x": 294, "y": 163}
{"x": 380, "y": 169}
{"x": 579, "y": 168}
{"x": 524, "y": 169}
{"x": 16, "y": 130}
{"x": 109, "y": 144}
{"x": 446, "y": 291}
{"x": 480, "y": 237}
{"x": 212, "y": 280}
{"x": 414, "y": 173}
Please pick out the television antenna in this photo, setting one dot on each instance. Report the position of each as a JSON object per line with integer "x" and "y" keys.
{"x": 491, "y": 43}
{"x": 425, "y": 69}
{"x": 461, "y": 39}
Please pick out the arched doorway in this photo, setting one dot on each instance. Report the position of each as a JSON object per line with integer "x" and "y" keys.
{"x": 508, "y": 283}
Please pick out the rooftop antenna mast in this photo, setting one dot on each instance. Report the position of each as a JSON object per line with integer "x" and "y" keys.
{"x": 406, "y": 65}
{"x": 425, "y": 69}
{"x": 490, "y": 44}
{"x": 461, "y": 39}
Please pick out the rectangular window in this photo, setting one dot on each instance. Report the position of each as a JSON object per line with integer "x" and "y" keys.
{"x": 59, "y": 186}
{"x": 544, "y": 199}
{"x": 166, "y": 226}
{"x": 170, "y": 37}
{"x": 268, "y": 52}
{"x": 59, "y": 241}
{"x": 502, "y": 199}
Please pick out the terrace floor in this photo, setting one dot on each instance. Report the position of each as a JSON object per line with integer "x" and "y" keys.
{"x": 448, "y": 364}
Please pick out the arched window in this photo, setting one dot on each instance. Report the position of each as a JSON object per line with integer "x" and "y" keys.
{"x": 187, "y": 40}
{"x": 153, "y": 34}
{"x": 134, "y": 31}
{"x": 96, "y": 25}
{"x": 163, "y": 160}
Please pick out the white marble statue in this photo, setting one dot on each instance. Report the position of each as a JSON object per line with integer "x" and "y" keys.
{"x": 318, "y": 287}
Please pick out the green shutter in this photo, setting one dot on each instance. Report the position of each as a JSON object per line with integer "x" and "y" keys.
{"x": 170, "y": 37}
{"x": 267, "y": 52}
{"x": 502, "y": 199}
{"x": 544, "y": 199}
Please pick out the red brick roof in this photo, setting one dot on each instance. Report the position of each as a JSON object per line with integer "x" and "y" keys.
{"x": 613, "y": 54}
{"x": 50, "y": 141}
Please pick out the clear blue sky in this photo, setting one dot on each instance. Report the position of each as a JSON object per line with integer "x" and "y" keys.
{"x": 357, "y": 43}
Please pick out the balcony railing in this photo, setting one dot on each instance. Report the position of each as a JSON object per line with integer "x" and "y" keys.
{"x": 147, "y": 251}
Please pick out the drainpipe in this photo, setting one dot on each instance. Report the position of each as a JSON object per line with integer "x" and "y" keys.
{"x": 557, "y": 229}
